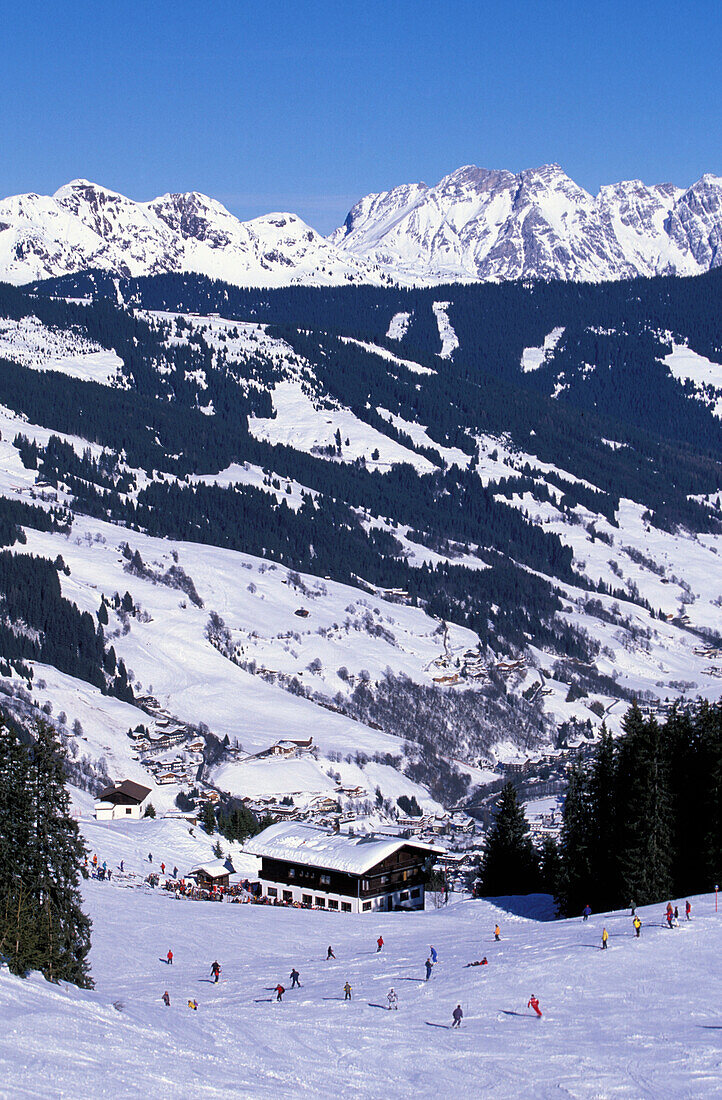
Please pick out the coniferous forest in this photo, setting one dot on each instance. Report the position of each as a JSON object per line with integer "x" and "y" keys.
{"x": 642, "y": 820}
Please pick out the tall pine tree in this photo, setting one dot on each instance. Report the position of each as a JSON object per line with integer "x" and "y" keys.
{"x": 509, "y": 864}
{"x": 644, "y": 809}
{"x": 55, "y": 860}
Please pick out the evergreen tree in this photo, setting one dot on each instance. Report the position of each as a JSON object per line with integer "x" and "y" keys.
{"x": 208, "y": 818}
{"x": 644, "y": 809}
{"x": 575, "y": 843}
{"x": 17, "y": 925}
{"x": 56, "y": 858}
{"x": 604, "y": 888}
{"x": 509, "y": 864}
{"x": 550, "y": 866}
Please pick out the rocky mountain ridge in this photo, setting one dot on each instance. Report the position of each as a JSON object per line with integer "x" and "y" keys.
{"x": 474, "y": 225}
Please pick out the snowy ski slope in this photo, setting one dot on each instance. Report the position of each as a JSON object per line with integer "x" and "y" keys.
{"x": 640, "y": 1020}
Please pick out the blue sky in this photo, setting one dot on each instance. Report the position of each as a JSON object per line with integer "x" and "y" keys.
{"x": 307, "y": 106}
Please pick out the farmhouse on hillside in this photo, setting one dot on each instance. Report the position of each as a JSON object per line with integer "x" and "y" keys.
{"x": 332, "y": 870}
{"x": 126, "y": 800}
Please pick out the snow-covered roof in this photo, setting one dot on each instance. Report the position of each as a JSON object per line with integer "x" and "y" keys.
{"x": 298, "y": 843}
{"x": 214, "y": 868}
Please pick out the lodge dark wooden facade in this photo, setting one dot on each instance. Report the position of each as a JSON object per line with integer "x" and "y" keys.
{"x": 397, "y": 881}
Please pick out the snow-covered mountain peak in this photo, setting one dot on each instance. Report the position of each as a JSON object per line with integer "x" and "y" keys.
{"x": 478, "y": 223}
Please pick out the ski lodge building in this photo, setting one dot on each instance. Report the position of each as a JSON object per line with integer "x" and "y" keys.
{"x": 126, "y": 800}
{"x": 332, "y": 870}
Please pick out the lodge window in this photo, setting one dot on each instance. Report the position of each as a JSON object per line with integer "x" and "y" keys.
{"x": 321, "y": 903}
{"x": 325, "y": 880}
{"x": 307, "y": 899}
{"x": 367, "y": 906}
{"x": 291, "y": 872}
{"x": 332, "y": 903}
{"x": 364, "y": 884}
{"x": 416, "y": 893}
{"x": 287, "y": 895}
{"x": 404, "y": 895}
{"x": 272, "y": 892}
{"x": 129, "y": 809}
{"x": 345, "y": 907}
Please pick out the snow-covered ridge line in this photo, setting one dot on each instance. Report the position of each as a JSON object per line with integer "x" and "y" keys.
{"x": 474, "y": 225}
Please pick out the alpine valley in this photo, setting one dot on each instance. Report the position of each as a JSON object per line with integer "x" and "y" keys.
{"x": 413, "y": 491}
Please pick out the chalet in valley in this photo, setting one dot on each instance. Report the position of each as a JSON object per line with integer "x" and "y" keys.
{"x": 126, "y": 800}
{"x": 332, "y": 870}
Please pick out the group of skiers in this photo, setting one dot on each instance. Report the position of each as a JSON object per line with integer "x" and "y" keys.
{"x": 671, "y": 917}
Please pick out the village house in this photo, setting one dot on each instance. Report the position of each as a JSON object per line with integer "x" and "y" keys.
{"x": 288, "y": 746}
{"x": 332, "y": 870}
{"x": 126, "y": 800}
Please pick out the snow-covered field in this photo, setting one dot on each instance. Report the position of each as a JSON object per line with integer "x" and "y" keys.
{"x": 640, "y": 1020}
{"x": 704, "y": 375}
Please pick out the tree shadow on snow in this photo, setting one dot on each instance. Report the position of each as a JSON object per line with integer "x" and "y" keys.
{"x": 446, "y": 1027}
{"x": 385, "y": 1008}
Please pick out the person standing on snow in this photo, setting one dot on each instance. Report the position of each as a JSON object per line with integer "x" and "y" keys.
{"x": 429, "y": 967}
{"x": 633, "y": 907}
{"x": 433, "y": 955}
{"x": 175, "y": 872}
{"x": 294, "y": 976}
{"x": 586, "y": 912}
{"x": 347, "y": 992}
{"x": 169, "y": 957}
{"x": 279, "y": 992}
{"x": 687, "y": 910}
{"x": 216, "y": 971}
{"x": 534, "y": 1003}
{"x": 637, "y": 925}
{"x": 166, "y": 999}
{"x": 605, "y": 937}
{"x": 330, "y": 954}
{"x": 150, "y": 860}
{"x": 458, "y": 1016}
{"x": 162, "y": 868}
{"x": 122, "y": 866}
{"x": 497, "y": 932}
{"x": 393, "y": 999}
{"x": 379, "y": 944}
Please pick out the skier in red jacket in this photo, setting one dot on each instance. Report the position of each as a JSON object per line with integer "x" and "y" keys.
{"x": 534, "y": 1003}
{"x": 169, "y": 957}
{"x": 279, "y": 992}
{"x": 379, "y": 943}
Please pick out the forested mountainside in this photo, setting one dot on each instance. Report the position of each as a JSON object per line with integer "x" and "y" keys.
{"x": 505, "y": 497}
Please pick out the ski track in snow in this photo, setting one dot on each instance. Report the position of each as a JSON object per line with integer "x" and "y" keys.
{"x": 640, "y": 1020}
{"x": 449, "y": 340}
